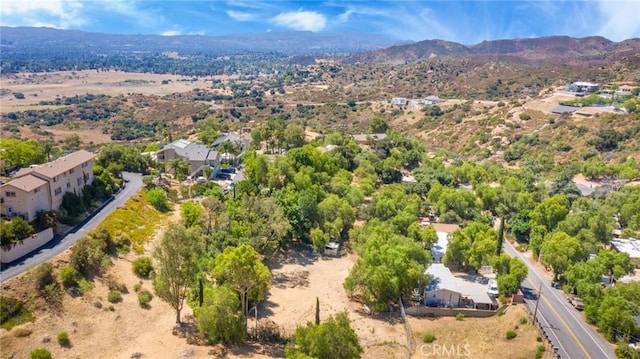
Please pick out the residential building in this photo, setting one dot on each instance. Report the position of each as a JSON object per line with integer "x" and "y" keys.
{"x": 195, "y": 155}
{"x": 583, "y": 87}
{"x": 242, "y": 140}
{"x": 41, "y": 187}
{"x": 631, "y": 246}
{"x": 456, "y": 291}
{"x": 399, "y": 101}
{"x": 442, "y": 290}
{"x": 432, "y": 100}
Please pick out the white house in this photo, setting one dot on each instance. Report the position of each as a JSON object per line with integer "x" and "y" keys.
{"x": 399, "y": 101}
{"x": 583, "y": 87}
{"x": 41, "y": 187}
{"x": 432, "y": 100}
{"x": 442, "y": 290}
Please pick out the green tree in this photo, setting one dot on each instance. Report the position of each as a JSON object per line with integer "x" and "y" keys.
{"x": 158, "y": 199}
{"x": 615, "y": 264}
{"x": 332, "y": 339}
{"x": 559, "y": 251}
{"x": 218, "y": 318}
{"x": 191, "y": 213}
{"x": 175, "y": 265}
{"x": 242, "y": 269}
{"x": 550, "y": 212}
{"x": 378, "y": 125}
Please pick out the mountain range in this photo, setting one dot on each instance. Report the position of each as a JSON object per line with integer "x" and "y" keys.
{"x": 560, "y": 49}
{"x": 22, "y": 45}
{"x": 36, "y": 39}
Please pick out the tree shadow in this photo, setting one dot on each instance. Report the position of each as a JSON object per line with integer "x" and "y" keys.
{"x": 281, "y": 257}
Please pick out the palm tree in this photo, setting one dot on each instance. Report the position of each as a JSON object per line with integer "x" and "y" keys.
{"x": 175, "y": 165}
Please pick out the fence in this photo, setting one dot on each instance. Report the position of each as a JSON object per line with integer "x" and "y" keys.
{"x": 407, "y": 328}
{"x": 544, "y": 335}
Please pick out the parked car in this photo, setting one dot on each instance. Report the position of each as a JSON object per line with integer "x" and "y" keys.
{"x": 228, "y": 170}
{"x": 577, "y": 303}
{"x": 224, "y": 176}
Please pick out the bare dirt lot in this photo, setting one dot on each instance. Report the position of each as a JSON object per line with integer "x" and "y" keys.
{"x": 301, "y": 279}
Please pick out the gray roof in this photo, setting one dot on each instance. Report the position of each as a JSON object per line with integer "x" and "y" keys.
{"x": 441, "y": 278}
{"x": 560, "y": 109}
{"x": 192, "y": 151}
{"x": 227, "y": 137}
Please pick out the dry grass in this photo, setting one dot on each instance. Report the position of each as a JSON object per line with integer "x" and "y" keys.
{"x": 480, "y": 337}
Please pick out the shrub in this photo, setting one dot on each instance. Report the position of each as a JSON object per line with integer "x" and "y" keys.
{"x": 114, "y": 285}
{"x": 90, "y": 254}
{"x": 13, "y": 312}
{"x": 158, "y": 198}
{"x": 114, "y": 296}
{"x": 137, "y": 287}
{"x": 40, "y": 353}
{"x": 511, "y": 334}
{"x": 524, "y": 116}
{"x": 85, "y": 286}
{"x": 144, "y": 298}
{"x": 460, "y": 316}
{"x": 142, "y": 267}
{"x": 540, "y": 351}
{"x": 68, "y": 276}
{"x": 523, "y": 320}
{"x": 43, "y": 275}
{"x": 63, "y": 339}
{"x": 428, "y": 337}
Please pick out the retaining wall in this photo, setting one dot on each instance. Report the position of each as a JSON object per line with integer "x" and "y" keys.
{"x": 26, "y": 246}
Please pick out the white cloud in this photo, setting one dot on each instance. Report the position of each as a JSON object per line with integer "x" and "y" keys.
{"x": 344, "y": 17}
{"x": 301, "y": 20}
{"x": 52, "y": 13}
{"x": 619, "y": 19}
{"x": 240, "y": 16}
{"x": 171, "y": 33}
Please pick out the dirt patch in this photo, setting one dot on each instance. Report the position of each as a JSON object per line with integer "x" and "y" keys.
{"x": 300, "y": 279}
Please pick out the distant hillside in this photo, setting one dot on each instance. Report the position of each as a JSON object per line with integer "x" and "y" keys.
{"x": 37, "y": 39}
{"x": 554, "y": 49}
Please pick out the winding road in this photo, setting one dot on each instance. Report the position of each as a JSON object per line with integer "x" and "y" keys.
{"x": 563, "y": 325}
{"x": 133, "y": 183}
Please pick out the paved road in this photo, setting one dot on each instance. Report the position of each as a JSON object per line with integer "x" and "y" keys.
{"x": 57, "y": 246}
{"x": 562, "y": 323}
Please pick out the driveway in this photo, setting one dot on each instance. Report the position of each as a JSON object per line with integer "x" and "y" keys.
{"x": 59, "y": 245}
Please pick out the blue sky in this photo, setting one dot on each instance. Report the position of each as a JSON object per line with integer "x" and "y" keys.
{"x": 468, "y": 22}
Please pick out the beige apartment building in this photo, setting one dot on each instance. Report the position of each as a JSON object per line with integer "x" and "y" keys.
{"x": 42, "y": 187}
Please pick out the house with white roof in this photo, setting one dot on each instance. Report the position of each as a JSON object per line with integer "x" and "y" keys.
{"x": 41, "y": 187}
{"x": 432, "y": 100}
{"x": 631, "y": 246}
{"x": 399, "y": 101}
{"x": 455, "y": 291}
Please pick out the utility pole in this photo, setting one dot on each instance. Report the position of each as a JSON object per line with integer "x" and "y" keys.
{"x": 535, "y": 311}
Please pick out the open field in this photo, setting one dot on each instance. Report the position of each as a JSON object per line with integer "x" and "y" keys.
{"x": 38, "y": 87}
